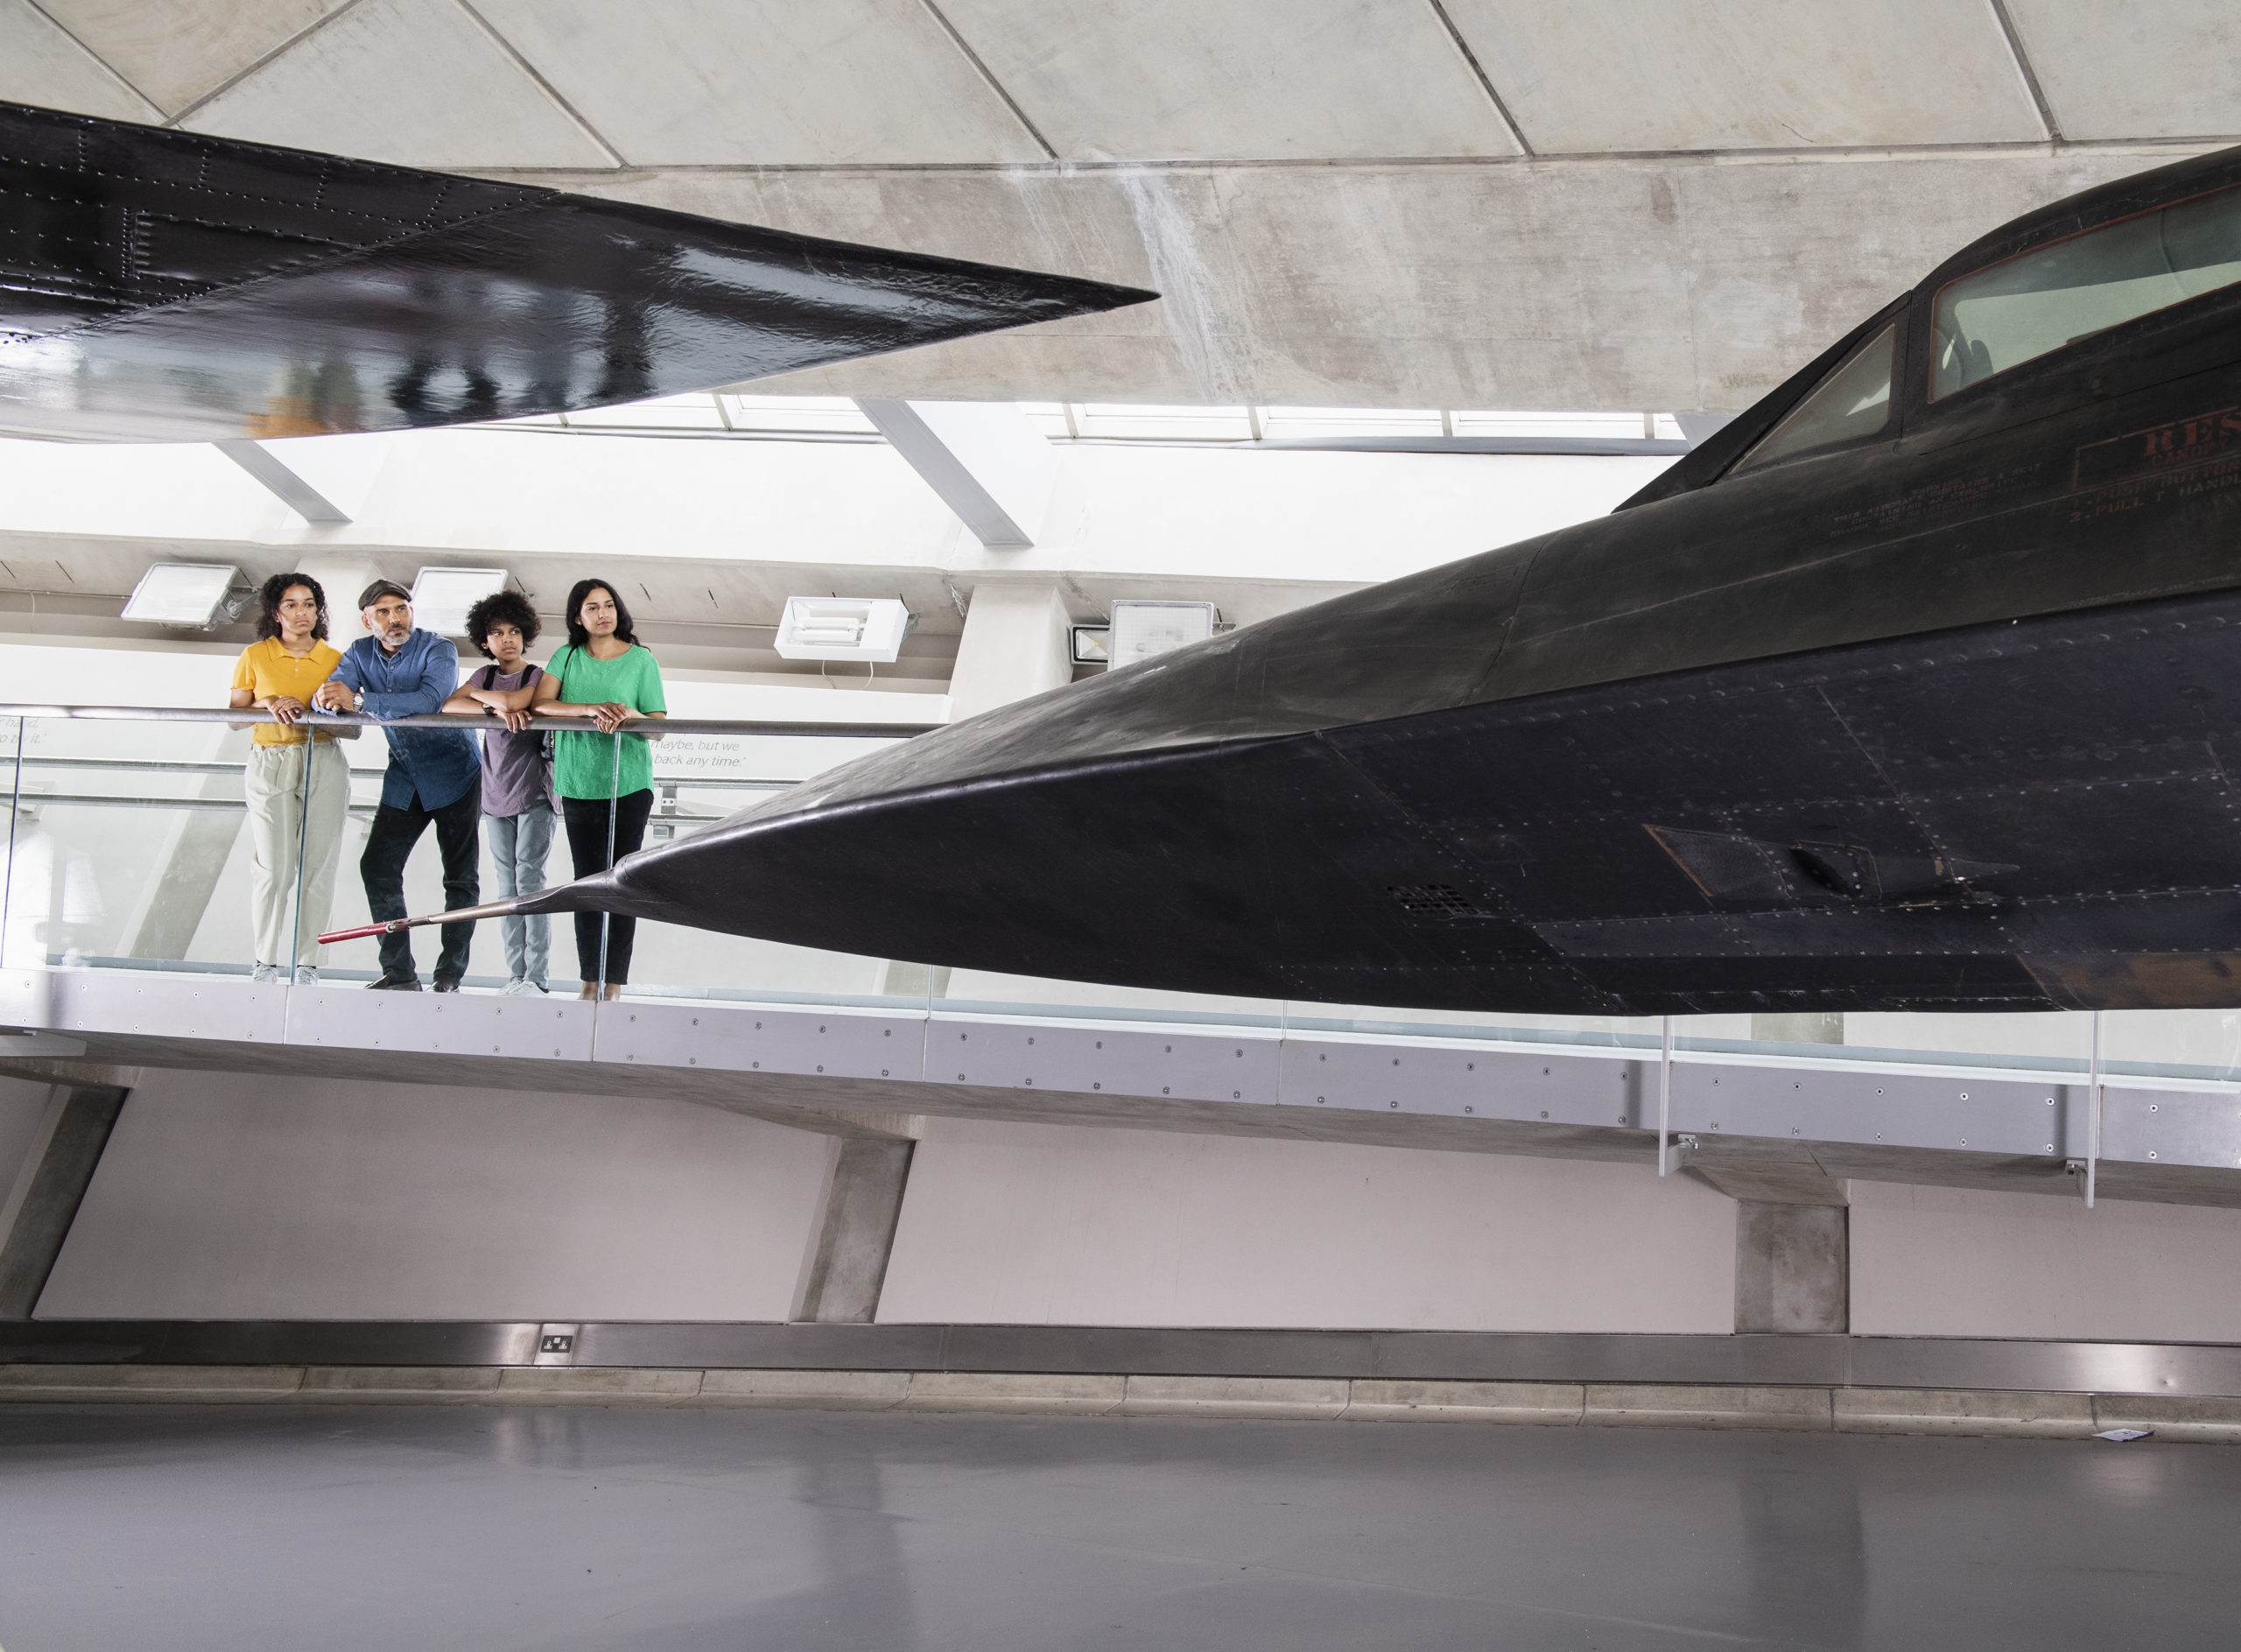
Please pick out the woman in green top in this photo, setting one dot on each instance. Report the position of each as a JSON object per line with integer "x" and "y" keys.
{"x": 606, "y": 794}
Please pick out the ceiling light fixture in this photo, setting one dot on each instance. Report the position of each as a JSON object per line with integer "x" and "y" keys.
{"x": 442, "y": 596}
{"x": 1143, "y": 630}
{"x": 188, "y": 594}
{"x": 865, "y": 627}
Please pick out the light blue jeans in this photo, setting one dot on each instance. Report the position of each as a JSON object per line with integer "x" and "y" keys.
{"x": 518, "y": 845}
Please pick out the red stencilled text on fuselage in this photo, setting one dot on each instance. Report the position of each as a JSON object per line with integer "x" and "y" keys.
{"x": 2177, "y": 445}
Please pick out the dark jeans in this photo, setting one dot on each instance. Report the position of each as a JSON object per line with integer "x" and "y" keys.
{"x": 587, "y": 821}
{"x": 388, "y": 846}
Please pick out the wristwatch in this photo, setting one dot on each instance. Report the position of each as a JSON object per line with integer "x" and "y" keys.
{"x": 357, "y": 700}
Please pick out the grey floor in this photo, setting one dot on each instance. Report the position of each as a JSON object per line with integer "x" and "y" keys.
{"x": 301, "y": 1527}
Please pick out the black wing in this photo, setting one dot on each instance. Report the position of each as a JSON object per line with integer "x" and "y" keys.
{"x": 164, "y": 287}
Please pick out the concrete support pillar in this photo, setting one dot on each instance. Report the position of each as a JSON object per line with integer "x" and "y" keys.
{"x": 1014, "y": 645}
{"x": 1793, "y": 1268}
{"x": 44, "y": 1198}
{"x": 863, "y": 1202}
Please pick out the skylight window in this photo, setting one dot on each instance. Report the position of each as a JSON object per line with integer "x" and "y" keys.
{"x": 1484, "y": 422}
{"x": 662, "y": 413}
{"x": 733, "y": 414}
{"x": 1298, "y": 424}
{"x": 1126, "y": 422}
{"x": 809, "y": 415}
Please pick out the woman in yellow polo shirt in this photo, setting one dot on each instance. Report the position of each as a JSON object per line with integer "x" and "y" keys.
{"x": 292, "y": 825}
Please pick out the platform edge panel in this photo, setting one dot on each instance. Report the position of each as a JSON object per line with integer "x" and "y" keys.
{"x": 439, "y": 1024}
{"x": 1233, "y": 1066}
{"x": 153, "y": 1004}
{"x": 837, "y": 1041}
{"x": 1454, "y": 1081}
{"x": 1986, "y": 1127}
{"x": 1986, "y": 1112}
{"x": 2172, "y": 1126}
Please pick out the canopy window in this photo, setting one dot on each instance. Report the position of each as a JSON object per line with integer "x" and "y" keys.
{"x": 2036, "y": 302}
{"x": 1852, "y": 402}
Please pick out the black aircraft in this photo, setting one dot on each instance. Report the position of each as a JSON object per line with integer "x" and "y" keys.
{"x": 164, "y": 286}
{"x": 1917, "y": 687}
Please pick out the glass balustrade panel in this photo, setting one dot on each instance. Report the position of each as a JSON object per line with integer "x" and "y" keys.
{"x": 127, "y": 846}
{"x": 2186, "y": 1048}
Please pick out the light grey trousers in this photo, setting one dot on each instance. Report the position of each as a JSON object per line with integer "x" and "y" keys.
{"x": 285, "y": 817}
{"x": 518, "y": 845}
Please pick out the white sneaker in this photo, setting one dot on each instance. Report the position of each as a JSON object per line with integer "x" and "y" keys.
{"x": 264, "y": 973}
{"x": 307, "y": 976}
{"x": 522, "y": 988}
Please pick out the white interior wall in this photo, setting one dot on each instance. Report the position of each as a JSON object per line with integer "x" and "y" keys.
{"x": 1047, "y": 1223}
{"x": 228, "y": 1196}
{"x": 1942, "y": 1262}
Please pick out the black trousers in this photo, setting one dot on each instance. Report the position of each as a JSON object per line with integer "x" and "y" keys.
{"x": 388, "y": 844}
{"x": 586, "y": 819}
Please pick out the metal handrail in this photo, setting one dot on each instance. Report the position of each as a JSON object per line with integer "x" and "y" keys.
{"x": 468, "y": 721}
{"x": 234, "y": 806}
{"x": 158, "y": 765}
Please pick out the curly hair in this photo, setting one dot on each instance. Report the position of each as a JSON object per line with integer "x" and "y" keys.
{"x": 576, "y": 594}
{"x": 500, "y": 607}
{"x": 268, "y": 599}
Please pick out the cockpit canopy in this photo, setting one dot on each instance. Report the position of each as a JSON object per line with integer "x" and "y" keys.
{"x": 2036, "y": 288}
{"x": 2037, "y": 302}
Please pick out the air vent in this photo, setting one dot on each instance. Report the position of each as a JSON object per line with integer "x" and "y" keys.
{"x": 1433, "y": 900}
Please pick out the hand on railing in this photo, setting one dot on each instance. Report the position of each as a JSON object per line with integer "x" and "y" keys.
{"x": 541, "y": 717}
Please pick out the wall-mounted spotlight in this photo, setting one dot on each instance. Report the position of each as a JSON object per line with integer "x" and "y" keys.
{"x": 1093, "y": 644}
{"x": 864, "y": 628}
{"x": 442, "y": 596}
{"x": 189, "y": 594}
{"x": 1141, "y": 631}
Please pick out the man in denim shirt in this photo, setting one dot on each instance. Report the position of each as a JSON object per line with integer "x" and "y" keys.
{"x": 434, "y": 773}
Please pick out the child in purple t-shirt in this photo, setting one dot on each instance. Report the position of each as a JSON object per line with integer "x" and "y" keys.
{"x": 517, "y": 806}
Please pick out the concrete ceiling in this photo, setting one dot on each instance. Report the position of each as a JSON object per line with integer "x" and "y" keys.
{"x": 1473, "y": 203}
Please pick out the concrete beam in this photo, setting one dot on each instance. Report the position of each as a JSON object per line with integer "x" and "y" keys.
{"x": 285, "y": 485}
{"x": 48, "y": 1189}
{"x": 1793, "y": 1269}
{"x": 863, "y": 1202}
{"x": 1762, "y": 1169}
{"x": 987, "y": 463}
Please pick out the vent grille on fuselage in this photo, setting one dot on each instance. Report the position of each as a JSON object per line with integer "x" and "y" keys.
{"x": 1433, "y": 900}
